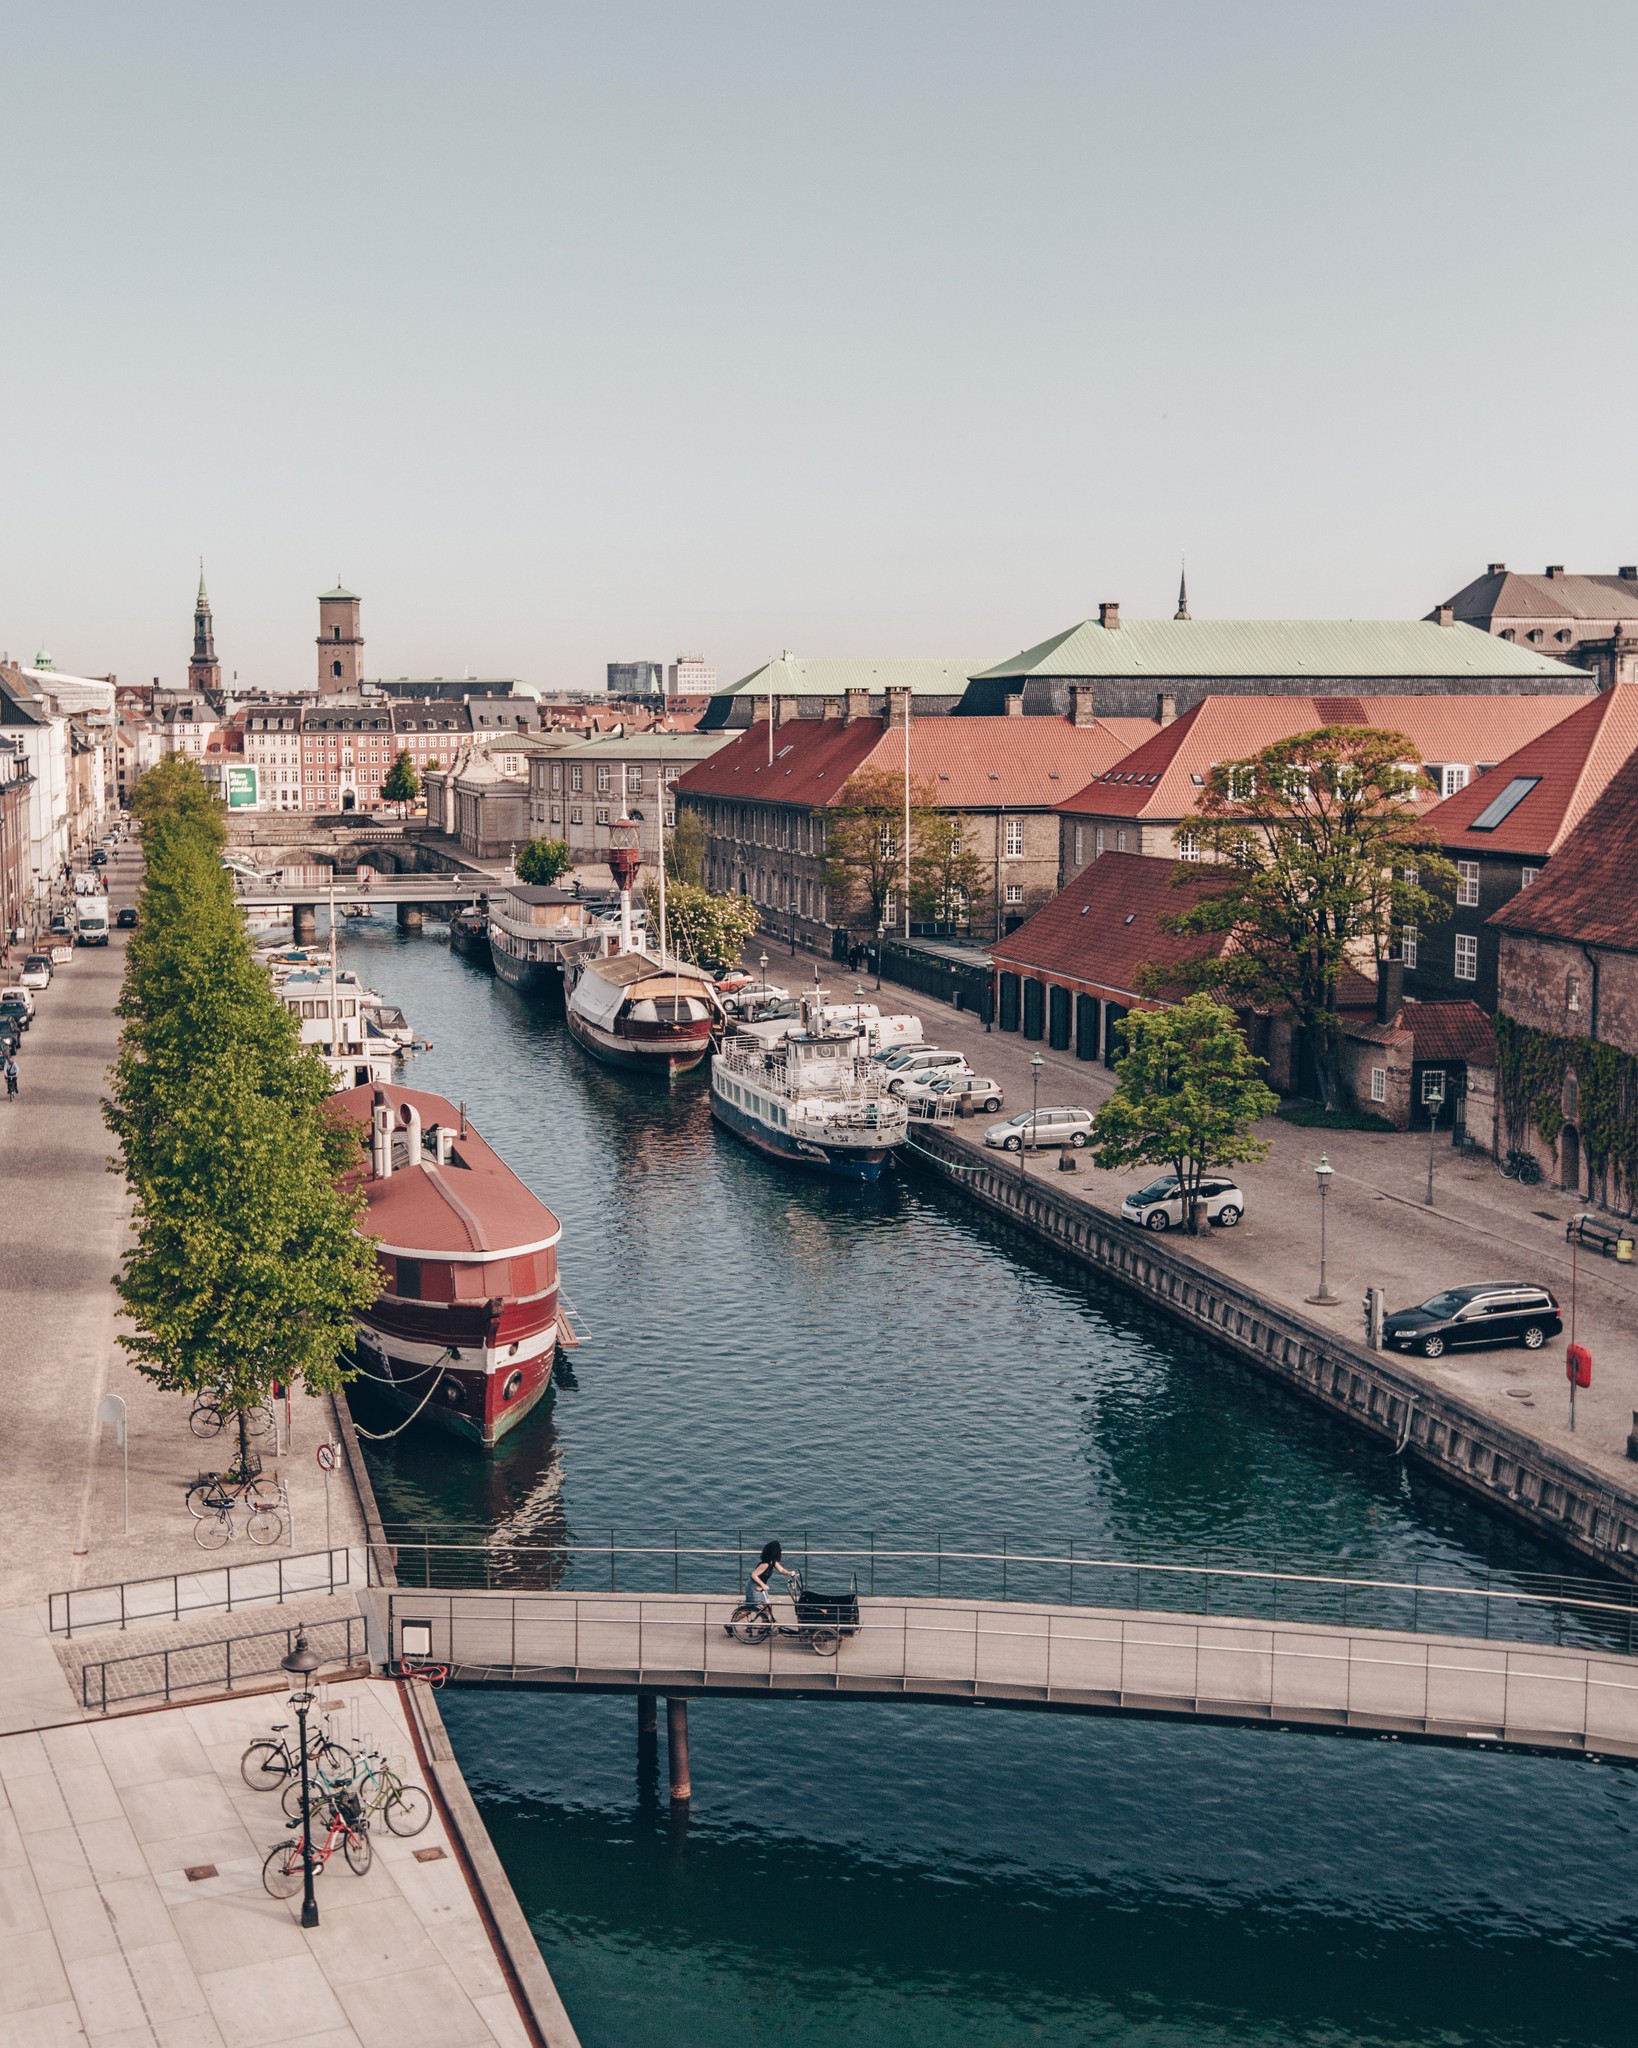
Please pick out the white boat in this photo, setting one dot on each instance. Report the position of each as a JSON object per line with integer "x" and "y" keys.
{"x": 332, "y": 1020}
{"x": 810, "y": 1095}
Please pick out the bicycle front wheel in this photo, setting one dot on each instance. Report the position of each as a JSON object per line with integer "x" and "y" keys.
{"x": 281, "y": 1873}
{"x": 358, "y": 1850}
{"x": 264, "y": 1766}
{"x": 202, "y": 1499}
{"x": 406, "y": 1810}
{"x": 206, "y": 1419}
{"x": 212, "y": 1534}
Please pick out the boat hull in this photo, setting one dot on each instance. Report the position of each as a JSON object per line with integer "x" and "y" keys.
{"x": 528, "y": 977}
{"x": 672, "y": 1053}
{"x": 470, "y": 941}
{"x": 862, "y": 1163}
{"x": 481, "y": 1393}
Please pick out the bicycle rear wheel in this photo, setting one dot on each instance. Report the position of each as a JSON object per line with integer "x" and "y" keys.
{"x": 406, "y": 1809}
{"x": 202, "y": 1499}
{"x": 206, "y": 1419}
{"x": 358, "y": 1849}
{"x": 265, "y": 1766}
{"x": 281, "y": 1873}
{"x": 265, "y": 1525}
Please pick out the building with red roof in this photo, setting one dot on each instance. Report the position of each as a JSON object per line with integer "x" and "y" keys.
{"x": 1503, "y": 828}
{"x": 764, "y": 799}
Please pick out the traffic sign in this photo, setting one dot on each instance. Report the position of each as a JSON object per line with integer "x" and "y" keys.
{"x": 329, "y": 1456}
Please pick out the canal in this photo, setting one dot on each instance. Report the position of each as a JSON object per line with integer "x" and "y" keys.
{"x": 770, "y": 1355}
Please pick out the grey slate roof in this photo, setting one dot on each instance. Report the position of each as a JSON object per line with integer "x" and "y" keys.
{"x": 1503, "y": 594}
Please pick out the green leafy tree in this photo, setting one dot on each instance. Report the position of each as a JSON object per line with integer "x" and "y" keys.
{"x": 685, "y": 849}
{"x": 701, "y": 926}
{"x": 949, "y": 880}
{"x": 1313, "y": 859}
{"x": 864, "y": 843}
{"x": 1188, "y": 1092}
{"x": 401, "y": 785}
{"x": 542, "y": 862}
{"x": 247, "y": 1266}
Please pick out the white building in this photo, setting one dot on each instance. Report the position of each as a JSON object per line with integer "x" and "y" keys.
{"x": 690, "y": 675}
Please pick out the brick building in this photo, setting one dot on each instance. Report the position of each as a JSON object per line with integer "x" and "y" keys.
{"x": 1589, "y": 620}
{"x": 577, "y": 791}
{"x": 765, "y": 804}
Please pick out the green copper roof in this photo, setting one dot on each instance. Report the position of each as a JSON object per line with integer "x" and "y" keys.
{"x": 1324, "y": 649}
{"x": 792, "y": 676}
{"x": 339, "y": 592}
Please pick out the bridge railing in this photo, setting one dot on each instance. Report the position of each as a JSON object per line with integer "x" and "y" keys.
{"x": 1539, "y": 1608}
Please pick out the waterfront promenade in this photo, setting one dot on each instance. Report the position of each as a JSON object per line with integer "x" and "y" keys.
{"x": 1380, "y": 1232}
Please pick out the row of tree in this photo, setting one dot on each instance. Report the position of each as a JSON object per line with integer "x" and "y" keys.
{"x": 247, "y": 1265}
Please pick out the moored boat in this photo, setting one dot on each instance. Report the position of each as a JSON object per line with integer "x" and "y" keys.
{"x": 469, "y": 935}
{"x": 534, "y": 931}
{"x": 809, "y": 1095}
{"x": 465, "y": 1329}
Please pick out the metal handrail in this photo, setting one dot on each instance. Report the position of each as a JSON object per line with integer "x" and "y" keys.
{"x": 60, "y": 1606}
{"x": 94, "y": 1695}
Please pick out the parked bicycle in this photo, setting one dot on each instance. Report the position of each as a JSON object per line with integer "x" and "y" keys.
{"x": 263, "y": 1524}
{"x": 211, "y": 1416}
{"x": 371, "y": 1780}
{"x": 267, "y": 1762}
{"x": 1524, "y": 1167}
{"x": 346, "y": 1827}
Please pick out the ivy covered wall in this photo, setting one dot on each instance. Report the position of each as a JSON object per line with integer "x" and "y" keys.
{"x": 1540, "y": 1077}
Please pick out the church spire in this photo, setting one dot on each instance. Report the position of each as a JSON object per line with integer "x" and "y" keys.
{"x": 204, "y": 671}
{"x": 1182, "y": 611}
{"x": 203, "y": 604}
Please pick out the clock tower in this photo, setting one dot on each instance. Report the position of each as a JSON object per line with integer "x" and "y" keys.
{"x": 340, "y": 644}
{"x": 204, "y": 670}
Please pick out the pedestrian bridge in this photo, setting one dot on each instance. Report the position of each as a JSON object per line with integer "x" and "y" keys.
{"x": 385, "y": 888}
{"x": 1420, "y": 1683}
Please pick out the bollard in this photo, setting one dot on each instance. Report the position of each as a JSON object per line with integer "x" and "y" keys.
{"x": 1066, "y": 1161}
{"x": 676, "y": 1745}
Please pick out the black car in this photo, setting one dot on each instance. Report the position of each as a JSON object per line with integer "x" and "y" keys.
{"x": 1501, "y": 1313}
{"x": 99, "y": 859}
{"x": 126, "y": 918}
{"x": 14, "y": 1015}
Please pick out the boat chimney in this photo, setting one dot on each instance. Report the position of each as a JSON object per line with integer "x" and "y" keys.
{"x": 463, "y": 1119}
{"x": 381, "y": 1137}
{"x": 412, "y": 1128}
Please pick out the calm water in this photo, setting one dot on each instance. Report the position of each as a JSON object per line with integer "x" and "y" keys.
{"x": 772, "y": 1355}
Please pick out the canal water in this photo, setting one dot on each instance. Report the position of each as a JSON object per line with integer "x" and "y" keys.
{"x": 774, "y": 1356}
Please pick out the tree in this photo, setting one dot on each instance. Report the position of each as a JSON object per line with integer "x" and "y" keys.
{"x": 709, "y": 929}
{"x": 401, "y": 785}
{"x": 248, "y": 1266}
{"x": 864, "y": 843}
{"x": 1314, "y": 859}
{"x": 1188, "y": 1091}
{"x": 542, "y": 861}
{"x": 685, "y": 850}
{"x": 948, "y": 879}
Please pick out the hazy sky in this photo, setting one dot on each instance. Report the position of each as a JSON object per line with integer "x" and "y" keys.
{"x": 575, "y": 333}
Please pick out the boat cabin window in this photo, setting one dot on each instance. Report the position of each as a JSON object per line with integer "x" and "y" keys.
{"x": 409, "y": 1279}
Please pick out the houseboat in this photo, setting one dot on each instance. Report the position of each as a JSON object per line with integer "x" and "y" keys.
{"x": 333, "y": 1015}
{"x": 465, "y": 1329}
{"x": 810, "y": 1095}
{"x": 535, "y": 932}
{"x": 469, "y": 934}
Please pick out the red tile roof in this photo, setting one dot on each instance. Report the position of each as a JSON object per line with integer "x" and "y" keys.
{"x": 1571, "y": 763}
{"x": 1165, "y": 776}
{"x": 1589, "y": 894}
{"x": 1450, "y": 1031}
{"x": 969, "y": 763}
{"x": 1105, "y": 926}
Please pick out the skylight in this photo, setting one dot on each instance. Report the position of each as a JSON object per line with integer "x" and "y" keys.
{"x": 1505, "y": 805}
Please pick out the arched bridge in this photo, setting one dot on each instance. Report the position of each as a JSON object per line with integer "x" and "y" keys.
{"x": 1472, "y": 1666}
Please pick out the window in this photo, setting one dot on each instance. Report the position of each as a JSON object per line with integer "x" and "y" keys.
{"x": 1379, "y": 1084}
{"x": 1572, "y": 992}
{"x": 1120, "y": 840}
{"x": 1241, "y": 784}
{"x": 1015, "y": 838}
{"x": 1527, "y": 876}
{"x": 1452, "y": 777}
{"x": 1407, "y": 945}
{"x": 1413, "y": 877}
{"x": 1433, "y": 1086}
{"x": 577, "y": 776}
{"x": 1079, "y": 856}
{"x": 1467, "y": 885}
{"x": 335, "y": 668}
{"x": 1015, "y": 892}
{"x": 1097, "y": 842}
{"x": 1467, "y": 957}
{"x": 577, "y": 816}
{"x": 1188, "y": 845}
{"x": 889, "y": 903}
{"x": 557, "y": 814}
{"x": 557, "y": 775}
{"x": 602, "y": 814}
{"x": 634, "y": 781}
{"x": 604, "y": 778}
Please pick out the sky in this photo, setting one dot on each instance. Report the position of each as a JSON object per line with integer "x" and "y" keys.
{"x": 569, "y": 334}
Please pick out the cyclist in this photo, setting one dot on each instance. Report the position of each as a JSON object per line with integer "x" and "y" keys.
{"x": 756, "y": 1586}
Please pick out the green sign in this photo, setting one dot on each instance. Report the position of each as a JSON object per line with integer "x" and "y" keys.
{"x": 242, "y": 789}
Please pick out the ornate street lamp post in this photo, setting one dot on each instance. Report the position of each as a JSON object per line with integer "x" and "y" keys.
{"x": 1036, "y": 1063}
{"x": 1324, "y": 1298}
{"x": 301, "y": 1664}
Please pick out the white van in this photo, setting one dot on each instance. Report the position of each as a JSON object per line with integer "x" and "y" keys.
{"x": 91, "y": 927}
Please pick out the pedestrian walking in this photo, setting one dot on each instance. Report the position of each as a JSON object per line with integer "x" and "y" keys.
{"x": 10, "y": 1072}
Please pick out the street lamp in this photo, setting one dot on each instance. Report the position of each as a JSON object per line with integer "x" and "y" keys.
{"x": 1036, "y": 1063}
{"x": 1322, "y": 1173}
{"x": 301, "y": 1663}
{"x": 762, "y": 962}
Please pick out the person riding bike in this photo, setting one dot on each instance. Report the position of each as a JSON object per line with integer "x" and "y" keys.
{"x": 756, "y": 1586}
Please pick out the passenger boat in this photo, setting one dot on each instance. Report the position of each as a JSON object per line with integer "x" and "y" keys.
{"x": 646, "y": 1012}
{"x": 534, "y": 932}
{"x": 333, "y": 1018}
{"x": 810, "y": 1095}
{"x": 465, "y": 1328}
{"x": 469, "y": 935}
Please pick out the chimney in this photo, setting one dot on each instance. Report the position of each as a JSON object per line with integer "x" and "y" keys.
{"x": 1082, "y": 704}
{"x": 1165, "y": 707}
{"x": 898, "y": 706}
{"x": 381, "y": 1137}
{"x": 1390, "y": 990}
{"x": 1446, "y": 615}
{"x": 1497, "y": 569}
{"x": 1109, "y": 616}
{"x": 1629, "y": 575}
{"x": 784, "y": 710}
{"x": 857, "y": 706}
{"x": 1555, "y": 568}
{"x": 1015, "y": 703}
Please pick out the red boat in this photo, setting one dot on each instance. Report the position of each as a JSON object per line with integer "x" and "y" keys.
{"x": 465, "y": 1329}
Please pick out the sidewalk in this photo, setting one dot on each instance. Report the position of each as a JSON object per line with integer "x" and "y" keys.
{"x": 1379, "y": 1230}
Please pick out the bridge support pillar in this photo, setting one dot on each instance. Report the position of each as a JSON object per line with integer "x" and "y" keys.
{"x": 648, "y": 1720}
{"x": 676, "y": 1745}
{"x": 409, "y": 917}
{"x": 304, "y": 921}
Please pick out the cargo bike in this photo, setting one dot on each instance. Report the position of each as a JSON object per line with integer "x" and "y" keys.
{"x": 822, "y": 1619}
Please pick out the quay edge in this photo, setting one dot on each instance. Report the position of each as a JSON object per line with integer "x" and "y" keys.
{"x": 1534, "y": 1483}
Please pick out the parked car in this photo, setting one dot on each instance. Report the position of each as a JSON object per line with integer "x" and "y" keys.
{"x": 922, "y": 1063}
{"x": 927, "y": 1096}
{"x": 126, "y": 918}
{"x": 1159, "y": 1206}
{"x": 62, "y": 924}
{"x": 1038, "y": 1129}
{"x": 16, "y": 1008}
{"x": 1499, "y": 1312}
{"x": 99, "y": 857}
{"x": 37, "y": 971}
{"x": 752, "y": 997}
